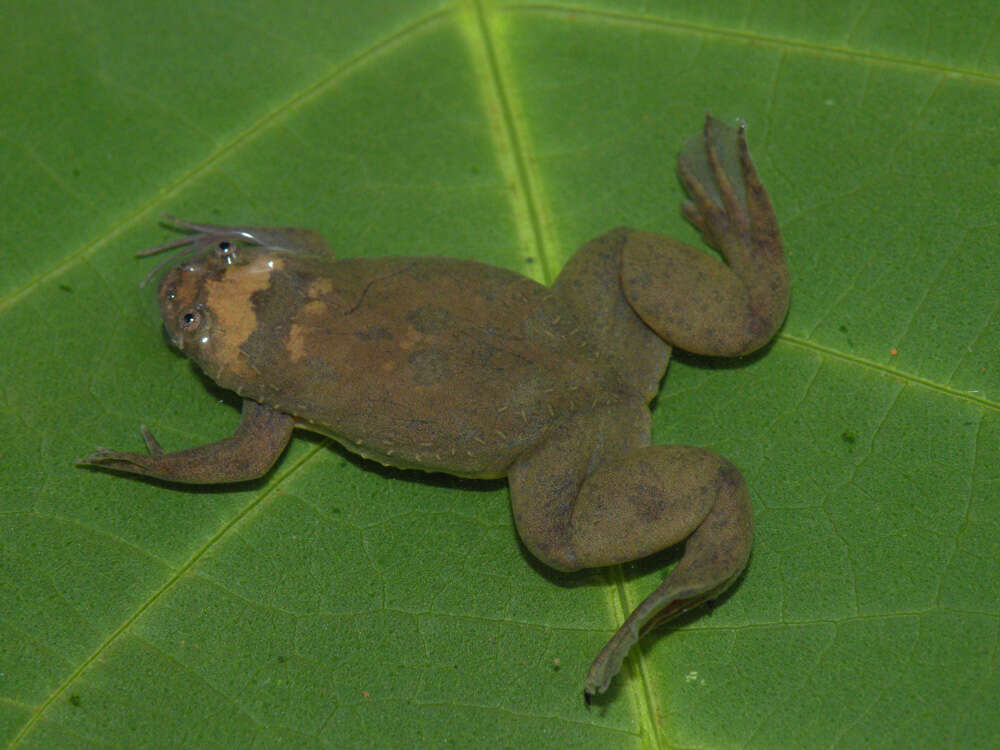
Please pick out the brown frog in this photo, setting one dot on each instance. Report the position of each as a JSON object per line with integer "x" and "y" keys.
{"x": 459, "y": 367}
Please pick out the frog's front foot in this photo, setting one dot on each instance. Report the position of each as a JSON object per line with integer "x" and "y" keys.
{"x": 127, "y": 462}
{"x": 260, "y": 438}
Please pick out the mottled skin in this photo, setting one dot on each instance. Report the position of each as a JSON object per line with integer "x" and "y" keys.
{"x": 455, "y": 366}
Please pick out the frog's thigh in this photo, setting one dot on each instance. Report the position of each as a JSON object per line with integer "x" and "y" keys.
{"x": 694, "y": 301}
{"x": 652, "y": 498}
{"x": 595, "y": 493}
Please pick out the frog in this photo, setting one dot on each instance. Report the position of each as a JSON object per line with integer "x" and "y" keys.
{"x": 451, "y": 365}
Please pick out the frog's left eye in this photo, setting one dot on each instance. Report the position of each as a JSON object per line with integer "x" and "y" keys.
{"x": 191, "y": 320}
{"x": 228, "y": 252}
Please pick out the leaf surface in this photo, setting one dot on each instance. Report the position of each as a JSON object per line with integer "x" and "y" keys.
{"x": 334, "y": 604}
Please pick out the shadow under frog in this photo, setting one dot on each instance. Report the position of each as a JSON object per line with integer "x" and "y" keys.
{"x": 454, "y": 366}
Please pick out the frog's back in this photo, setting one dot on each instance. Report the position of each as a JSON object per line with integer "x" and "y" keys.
{"x": 433, "y": 363}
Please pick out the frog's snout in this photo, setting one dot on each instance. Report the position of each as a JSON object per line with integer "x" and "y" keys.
{"x": 177, "y": 293}
{"x": 167, "y": 296}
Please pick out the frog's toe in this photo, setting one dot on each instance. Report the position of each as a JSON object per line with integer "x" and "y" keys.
{"x": 694, "y": 217}
{"x": 93, "y": 458}
{"x": 131, "y": 463}
{"x": 152, "y": 445}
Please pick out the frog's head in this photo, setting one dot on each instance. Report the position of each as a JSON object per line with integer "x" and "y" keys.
{"x": 208, "y": 303}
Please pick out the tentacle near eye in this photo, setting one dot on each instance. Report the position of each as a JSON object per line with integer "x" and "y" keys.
{"x": 204, "y": 238}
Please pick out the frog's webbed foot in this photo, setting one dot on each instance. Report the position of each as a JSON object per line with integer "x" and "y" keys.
{"x": 260, "y": 438}
{"x": 201, "y": 237}
{"x": 714, "y": 167}
{"x": 595, "y": 494}
{"x": 692, "y": 300}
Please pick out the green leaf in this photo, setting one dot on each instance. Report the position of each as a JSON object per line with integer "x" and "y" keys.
{"x": 334, "y": 604}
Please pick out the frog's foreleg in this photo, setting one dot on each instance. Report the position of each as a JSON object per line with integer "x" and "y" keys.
{"x": 259, "y": 439}
{"x": 692, "y": 300}
{"x": 595, "y": 494}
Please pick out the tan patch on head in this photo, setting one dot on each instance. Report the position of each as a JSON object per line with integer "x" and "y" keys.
{"x": 311, "y": 314}
{"x": 314, "y": 310}
{"x": 233, "y": 317}
{"x": 320, "y": 286}
{"x": 296, "y": 343}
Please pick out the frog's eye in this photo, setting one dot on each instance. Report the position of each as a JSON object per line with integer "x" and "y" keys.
{"x": 190, "y": 320}
{"x": 228, "y": 252}
{"x": 193, "y": 325}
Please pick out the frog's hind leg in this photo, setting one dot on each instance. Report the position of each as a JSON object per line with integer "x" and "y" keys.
{"x": 715, "y": 553}
{"x": 596, "y": 493}
{"x": 692, "y": 300}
